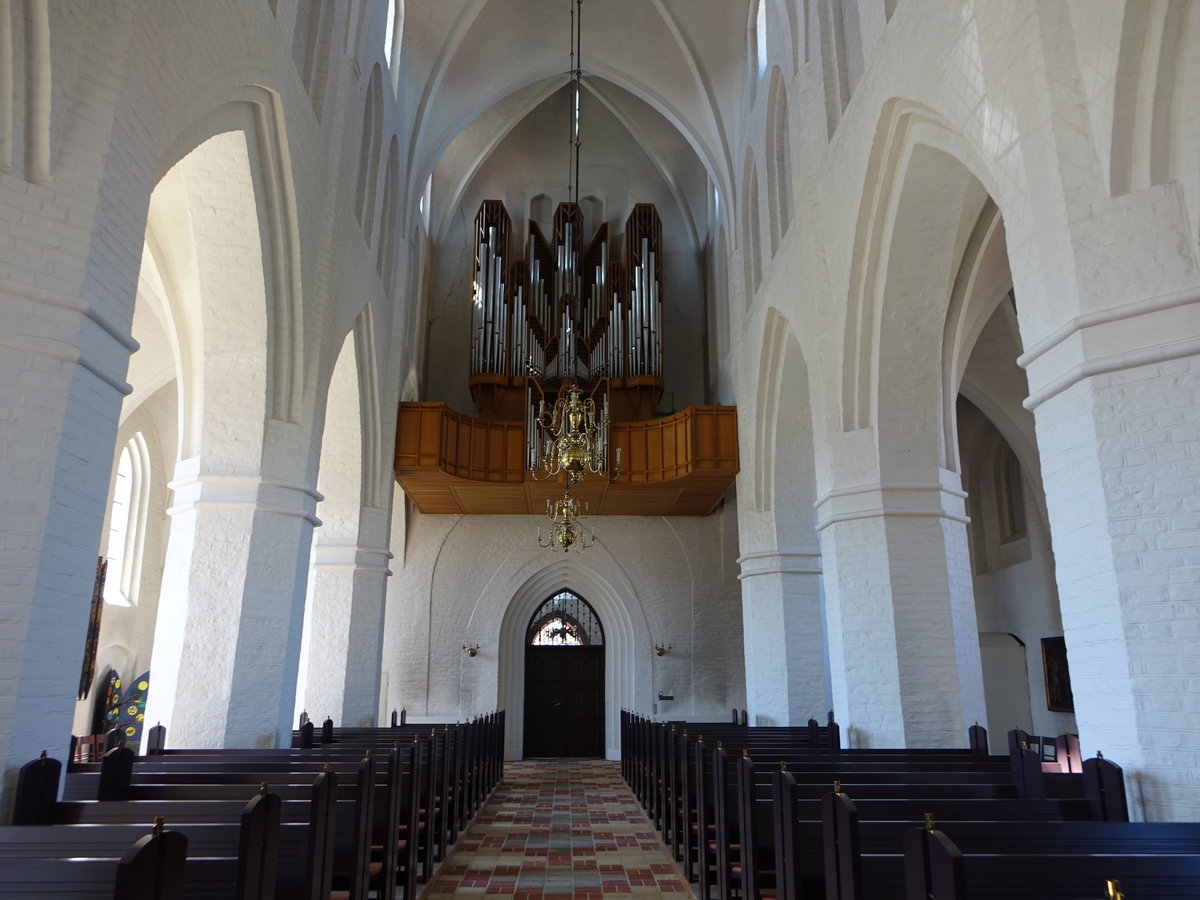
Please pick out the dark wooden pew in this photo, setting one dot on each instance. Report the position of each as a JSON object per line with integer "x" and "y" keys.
{"x": 955, "y": 875}
{"x": 182, "y": 775}
{"x": 881, "y": 774}
{"x": 783, "y": 810}
{"x": 153, "y": 866}
{"x": 696, "y": 804}
{"x": 229, "y": 860}
{"x": 460, "y": 765}
{"x": 305, "y": 835}
{"x": 865, "y": 855}
{"x": 374, "y": 833}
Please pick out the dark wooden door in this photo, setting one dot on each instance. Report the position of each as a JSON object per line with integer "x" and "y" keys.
{"x": 564, "y": 701}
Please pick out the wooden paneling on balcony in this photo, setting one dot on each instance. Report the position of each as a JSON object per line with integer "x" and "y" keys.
{"x": 680, "y": 465}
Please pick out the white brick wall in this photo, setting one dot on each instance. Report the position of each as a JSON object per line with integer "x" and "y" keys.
{"x": 1125, "y": 519}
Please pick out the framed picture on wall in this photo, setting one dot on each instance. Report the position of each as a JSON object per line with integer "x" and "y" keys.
{"x": 1058, "y": 676}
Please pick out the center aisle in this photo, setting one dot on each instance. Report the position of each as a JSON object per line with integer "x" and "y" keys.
{"x": 559, "y": 829}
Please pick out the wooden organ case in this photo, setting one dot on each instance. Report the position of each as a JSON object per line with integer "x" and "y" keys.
{"x": 565, "y": 314}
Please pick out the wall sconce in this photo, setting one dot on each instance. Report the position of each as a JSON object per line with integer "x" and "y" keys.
{"x": 472, "y": 650}
{"x": 660, "y": 650}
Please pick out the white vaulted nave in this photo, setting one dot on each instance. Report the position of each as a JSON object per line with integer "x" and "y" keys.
{"x": 896, "y": 304}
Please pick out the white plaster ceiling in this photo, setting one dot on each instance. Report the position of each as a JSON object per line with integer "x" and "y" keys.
{"x": 671, "y": 72}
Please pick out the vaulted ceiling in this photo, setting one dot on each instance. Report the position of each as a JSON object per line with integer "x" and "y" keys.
{"x": 666, "y": 75}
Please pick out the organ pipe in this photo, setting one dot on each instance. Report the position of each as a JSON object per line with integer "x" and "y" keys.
{"x": 567, "y": 311}
{"x": 490, "y": 314}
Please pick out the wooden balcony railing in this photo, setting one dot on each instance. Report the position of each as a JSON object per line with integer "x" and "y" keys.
{"x": 680, "y": 465}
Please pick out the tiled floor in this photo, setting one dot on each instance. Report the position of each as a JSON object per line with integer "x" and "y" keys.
{"x": 559, "y": 829}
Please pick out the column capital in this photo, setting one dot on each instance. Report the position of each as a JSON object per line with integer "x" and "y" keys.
{"x": 57, "y": 326}
{"x": 1144, "y": 332}
{"x": 341, "y": 557}
{"x": 923, "y": 499}
{"x": 779, "y": 562}
{"x": 196, "y": 490}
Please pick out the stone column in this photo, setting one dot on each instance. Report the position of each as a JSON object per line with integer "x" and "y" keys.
{"x": 227, "y": 640}
{"x": 903, "y": 639}
{"x": 344, "y": 633}
{"x": 1116, "y": 398}
{"x": 61, "y": 384}
{"x": 783, "y": 626}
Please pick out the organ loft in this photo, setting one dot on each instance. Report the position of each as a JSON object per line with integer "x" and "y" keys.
{"x": 569, "y": 323}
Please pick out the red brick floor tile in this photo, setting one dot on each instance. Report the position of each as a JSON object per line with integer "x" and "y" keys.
{"x": 559, "y": 829}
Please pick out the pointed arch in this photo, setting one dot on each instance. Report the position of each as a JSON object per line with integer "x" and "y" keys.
{"x": 770, "y": 363}
{"x": 794, "y": 492}
{"x": 835, "y": 60}
{"x": 321, "y": 675}
{"x": 751, "y": 240}
{"x": 628, "y": 655}
{"x": 31, "y": 59}
{"x": 541, "y": 212}
{"x": 795, "y": 14}
{"x": 1152, "y": 74}
{"x": 779, "y": 189}
{"x": 217, "y": 298}
{"x": 312, "y": 46}
{"x": 592, "y": 208}
{"x": 368, "y": 154}
{"x": 565, "y": 619}
{"x": 903, "y": 126}
{"x": 983, "y": 282}
{"x": 719, "y": 292}
{"x": 258, "y": 113}
{"x": 385, "y": 250}
{"x": 375, "y": 472}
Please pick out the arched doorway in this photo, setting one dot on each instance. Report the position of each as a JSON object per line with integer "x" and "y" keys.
{"x": 564, "y": 679}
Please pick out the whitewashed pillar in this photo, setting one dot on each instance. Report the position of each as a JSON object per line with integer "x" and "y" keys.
{"x": 59, "y": 406}
{"x": 784, "y": 637}
{"x": 344, "y": 634}
{"x": 903, "y": 638}
{"x": 227, "y": 640}
{"x": 1120, "y": 453}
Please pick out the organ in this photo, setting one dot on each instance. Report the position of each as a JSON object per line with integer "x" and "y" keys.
{"x": 559, "y": 322}
{"x": 567, "y": 313}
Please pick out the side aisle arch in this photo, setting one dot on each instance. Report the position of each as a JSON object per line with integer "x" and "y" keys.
{"x": 229, "y": 247}
{"x": 907, "y": 132}
{"x": 258, "y": 113}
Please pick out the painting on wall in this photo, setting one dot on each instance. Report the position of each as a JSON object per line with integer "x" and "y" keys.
{"x": 1058, "y": 676}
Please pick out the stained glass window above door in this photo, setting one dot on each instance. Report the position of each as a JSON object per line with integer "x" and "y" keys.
{"x": 565, "y": 620}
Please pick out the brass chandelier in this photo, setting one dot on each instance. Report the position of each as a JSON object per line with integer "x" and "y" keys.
{"x": 566, "y": 526}
{"x": 570, "y": 438}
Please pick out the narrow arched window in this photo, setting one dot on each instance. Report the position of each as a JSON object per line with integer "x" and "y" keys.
{"x": 565, "y": 620}
{"x": 393, "y": 33}
{"x": 127, "y": 524}
{"x": 760, "y": 36}
{"x": 425, "y": 205}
